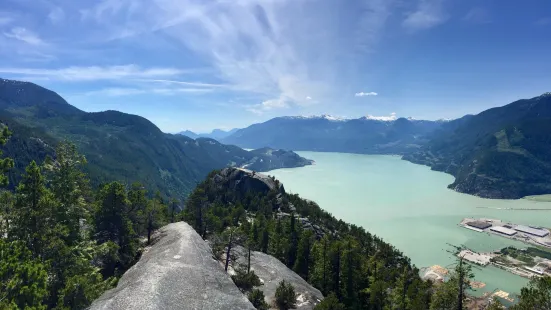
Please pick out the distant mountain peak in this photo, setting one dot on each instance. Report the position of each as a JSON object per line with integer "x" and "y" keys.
{"x": 547, "y": 94}
{"x": 323, "y": 116}
{"x": 390, "y": 118}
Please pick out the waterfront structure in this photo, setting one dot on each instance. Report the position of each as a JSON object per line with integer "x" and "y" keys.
{"x": 538, "y": 232}
{"x": 503, "y": 230}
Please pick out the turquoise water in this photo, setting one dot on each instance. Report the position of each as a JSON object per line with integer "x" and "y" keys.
{"x": 409, "y": 206}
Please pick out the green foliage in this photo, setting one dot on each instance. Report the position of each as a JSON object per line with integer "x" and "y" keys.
{"x": 447, "y": 294}
{"x": 22, "y": 278}
{"x": 285, "y": 296}
{"x": 330, "y": 302}
{"x": 58, "y": 247}
{"x": 112, "y": 223}
{"x": 256, "y": 297}
{"x": 495, "y": 305}
{"x": 536, "y": 296}
{"x": 244, "y": 280}
{"x": 5, "y": 163}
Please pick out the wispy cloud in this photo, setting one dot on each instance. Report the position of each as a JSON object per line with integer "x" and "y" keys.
{"x": 362, "y": 94}
{"x": 477, "y": 16}
{"x": 255, "y": 46}
{"x": 429, "y": 13}
{"x": 122, "y": 91}
{"x": 24, "y": 35}
{"x": 94, "y": 73}
{"x": 56, "y": 15}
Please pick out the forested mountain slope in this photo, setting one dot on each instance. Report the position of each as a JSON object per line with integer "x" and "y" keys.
{"x": 329, "y": 134}
{"x": 118, "y": 146}
{"x": 503, "y": 152}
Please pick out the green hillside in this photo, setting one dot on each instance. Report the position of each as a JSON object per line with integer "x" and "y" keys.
{"x": 118, "y": 146}
{"x": 503, "y": 152}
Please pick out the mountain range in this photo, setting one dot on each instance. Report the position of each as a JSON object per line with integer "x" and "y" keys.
{"x": 118, "y": 146}
{"x": 331, "y": 134}
{"x": 216, "y": 134}
{"x": 503, "y": 152}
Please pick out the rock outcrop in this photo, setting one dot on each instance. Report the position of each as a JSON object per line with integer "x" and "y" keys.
{"x": 271, "y": 271}
{"x": 177, "y": 272}
{"x": 244, "y": 180}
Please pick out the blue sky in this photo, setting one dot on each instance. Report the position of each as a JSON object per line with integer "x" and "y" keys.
{"x": 202, "y": 64}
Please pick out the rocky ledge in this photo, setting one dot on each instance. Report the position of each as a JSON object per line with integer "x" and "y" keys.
{"x": 177, "y": 272}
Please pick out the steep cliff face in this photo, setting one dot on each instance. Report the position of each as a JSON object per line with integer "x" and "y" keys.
{"x": 243, "y": 180}
{"x": 177, "y": 272}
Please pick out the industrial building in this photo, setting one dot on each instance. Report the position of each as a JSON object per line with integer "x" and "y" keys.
{"x": 479, "y": 224}
{"x": 538, "y": 232}
{"x": 503, "y": 230}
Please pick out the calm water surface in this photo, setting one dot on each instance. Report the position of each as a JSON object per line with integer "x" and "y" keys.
{"x": 409, "y": 206}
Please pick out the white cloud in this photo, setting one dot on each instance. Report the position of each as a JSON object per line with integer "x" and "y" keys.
{"x": 429, "y": 13}
{"x": 390, "y": 117}
{"x": 269, "y": 105}
{"x": 308, "y": 98}
{"x": 94, "y": 73}
{"x": 362, "y": 94}
{"x": 56, "y": 15}
{"x": 24, "y": 35}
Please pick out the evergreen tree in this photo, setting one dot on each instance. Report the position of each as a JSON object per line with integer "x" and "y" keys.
{"x": 452, "y": 293}
{"x": 32, "y": 221}
{"x": 331, "y": 302}
{"x": 536, "y": 296}
{"x": 138, "y": 203}
{"x": 304, "y": 261}
{"x": 256, "y": 297}
{"x": 5, "y": 163}
{"x": 285, "y": 296}
{"x": 6, "y": 212}
{"x": 23, "y": 279}
{"x": 112, "y": 223}
{"x": 69, "y": 186}
{"x": 293, "y": 246}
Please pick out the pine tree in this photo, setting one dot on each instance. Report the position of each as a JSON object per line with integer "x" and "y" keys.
{"x": 112, "y": 223}
{"x": 23, "y": 279}
{"x": 293, "y": 246}
{"x": 69, "y": 186}
{"x": 5, "y": 163}
{"x": 6, "y": 212}
{"x": 303, "y": 261}
{"x": 285, "y": 296}
{"x": 32, "y": 221}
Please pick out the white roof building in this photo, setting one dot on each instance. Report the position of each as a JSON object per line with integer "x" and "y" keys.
{"x": 538, "y": 232}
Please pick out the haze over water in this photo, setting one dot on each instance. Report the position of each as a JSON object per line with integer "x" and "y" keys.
{"x": 410, "y": 206}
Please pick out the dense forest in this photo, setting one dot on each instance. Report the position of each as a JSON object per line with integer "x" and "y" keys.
{"x": 62, "y": 243}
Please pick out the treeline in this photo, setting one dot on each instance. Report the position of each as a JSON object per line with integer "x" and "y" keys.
{"x": 359, "y": 269}
{"x": 62, "y": 244}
